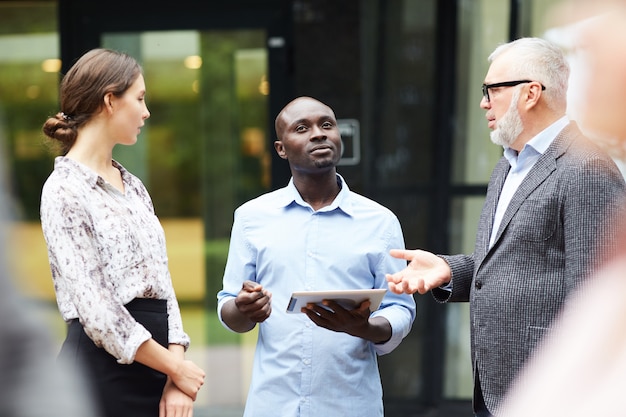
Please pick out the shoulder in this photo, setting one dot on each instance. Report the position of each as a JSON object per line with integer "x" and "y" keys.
{"x": 271, "y": 201}
{"x": 572, "y": 144}
{"x": 578, "y": 156}
{"x": 364, "y": 206}
{"x": 63, "y": 183}
{"x": 589, "y": 169}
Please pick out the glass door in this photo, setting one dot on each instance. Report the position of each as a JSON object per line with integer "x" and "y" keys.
{"x": 204, "y": 151}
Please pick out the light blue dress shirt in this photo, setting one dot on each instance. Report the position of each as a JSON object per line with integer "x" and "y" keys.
{"x": 279, "y": 241}
{"x": 521, "y": 164}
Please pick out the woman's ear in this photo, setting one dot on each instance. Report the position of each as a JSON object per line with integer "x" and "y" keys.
{"x": 108, "y": 102}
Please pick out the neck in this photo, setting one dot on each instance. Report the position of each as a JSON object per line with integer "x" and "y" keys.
{"x": 318, "y": 190}
{"x": 92, "y": 149}
{"x": 533, "y": 129}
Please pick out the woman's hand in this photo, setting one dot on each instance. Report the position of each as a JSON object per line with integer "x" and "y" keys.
{"x": 174, "y": 402}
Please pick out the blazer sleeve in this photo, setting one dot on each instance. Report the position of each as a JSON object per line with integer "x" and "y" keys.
{"x": 594, "y": 196}
{"x": 462, "y": 267}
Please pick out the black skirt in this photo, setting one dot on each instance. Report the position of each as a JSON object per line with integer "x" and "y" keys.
{"x": 121, "y": 390}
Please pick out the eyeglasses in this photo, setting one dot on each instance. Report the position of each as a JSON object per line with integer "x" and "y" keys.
{"x": 486, "y": 87}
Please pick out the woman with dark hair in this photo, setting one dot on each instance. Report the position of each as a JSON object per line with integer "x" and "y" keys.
{"x": 107, "y": 251}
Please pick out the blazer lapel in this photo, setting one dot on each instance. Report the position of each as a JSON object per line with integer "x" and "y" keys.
{"x": 491, "y": 202}
{"x": 542, "y": 169}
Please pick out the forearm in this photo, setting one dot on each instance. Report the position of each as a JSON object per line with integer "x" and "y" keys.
{"x": 378, "y": 330}
{"x": 155, "y": 356}
{"x": 177, "y": 351}
{"x": 183, "y": 373}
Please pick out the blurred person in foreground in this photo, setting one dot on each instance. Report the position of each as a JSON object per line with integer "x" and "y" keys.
{"x": 580, "y": 370}
{"x": 107, "y": 250}
{"x": 32, "y": 382}
{"x": 313, "y": 234}
{"x": 543, "y": 223}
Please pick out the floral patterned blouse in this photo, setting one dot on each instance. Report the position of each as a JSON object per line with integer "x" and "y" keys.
{"x": 106, "y": 248}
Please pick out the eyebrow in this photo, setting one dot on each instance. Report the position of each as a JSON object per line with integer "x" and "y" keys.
{"x": 307, "y": 121}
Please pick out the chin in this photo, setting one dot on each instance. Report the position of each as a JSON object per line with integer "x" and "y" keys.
{"x": 129, "y": 142}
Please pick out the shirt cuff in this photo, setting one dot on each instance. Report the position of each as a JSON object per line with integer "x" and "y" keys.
{"x": 138, "y": 337}
{"x": 400, "y": 320}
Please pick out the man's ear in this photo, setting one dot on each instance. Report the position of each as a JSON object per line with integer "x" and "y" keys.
{"x": 280, "y": 149}
{"x": 534, "y": 94}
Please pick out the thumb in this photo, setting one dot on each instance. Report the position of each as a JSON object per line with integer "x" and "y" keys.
{"x": 251, "y": 286}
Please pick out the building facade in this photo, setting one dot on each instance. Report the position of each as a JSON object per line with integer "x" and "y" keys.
{"x": 403, "y": 77}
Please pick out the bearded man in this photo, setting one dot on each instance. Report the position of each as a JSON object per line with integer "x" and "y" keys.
{"x": 543, "y": 225}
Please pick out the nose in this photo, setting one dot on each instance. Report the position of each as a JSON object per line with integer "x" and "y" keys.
{"x": 146, "y": 113}
{"x": 317, "y": 132}
{"x": 484, "y": 104}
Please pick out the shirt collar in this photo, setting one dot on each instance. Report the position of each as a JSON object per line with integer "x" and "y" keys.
{"x": 89, "y": 175}
{"x": 290, "y": 195}
{"x": 539, "y": 143}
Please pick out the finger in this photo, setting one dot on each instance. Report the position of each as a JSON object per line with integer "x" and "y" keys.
{"x": 394, "y": 288}
{"x": 333, "y": 306}
{"x": 251, "y": 286}
{"x": 325, "y": 310}
{"x": 402, "y": 254}
{"x": 169, "y": 410}
{"x": 408, "y": 288}
{"x": 395, "y": 278}
{"x": 257, "y": 296}
{"x": 193, "y": 393}
{"x": 422, "y": 287}
{"x": 312, "y": 315}
{"x": 364, "y": 308}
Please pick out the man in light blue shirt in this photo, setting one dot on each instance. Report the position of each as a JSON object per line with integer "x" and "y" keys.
{"x": 314, "y": 234}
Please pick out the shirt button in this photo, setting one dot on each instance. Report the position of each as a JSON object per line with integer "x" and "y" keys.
{"x": 306, "y": 361}
{"x": 478, "y": 285}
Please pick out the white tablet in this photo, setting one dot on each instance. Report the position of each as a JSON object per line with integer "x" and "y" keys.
{"x": 348, "y": 299}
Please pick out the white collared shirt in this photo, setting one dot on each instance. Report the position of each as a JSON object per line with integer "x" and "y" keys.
{"x": 105, "y": 249}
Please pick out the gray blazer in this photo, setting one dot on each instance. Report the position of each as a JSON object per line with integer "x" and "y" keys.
{"x": 550, "y": 237}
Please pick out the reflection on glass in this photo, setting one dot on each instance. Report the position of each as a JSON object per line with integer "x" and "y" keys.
{"x": 458, "y": 381}
{"x": 482, "y": 25}
{"x": 204, "y": 151}
{"x": 28, "y": 94}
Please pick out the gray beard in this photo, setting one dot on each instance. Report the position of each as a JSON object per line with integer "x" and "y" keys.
{"x": 510, "y": 126}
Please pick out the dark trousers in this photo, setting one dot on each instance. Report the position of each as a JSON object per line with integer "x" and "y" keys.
{"x": 121, "y": 390}
{"x": 480, "y": 409}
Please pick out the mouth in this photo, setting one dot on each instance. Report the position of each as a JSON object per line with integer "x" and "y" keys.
{"x": 491, "y": 122}
{"x": 320, "y": 149}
